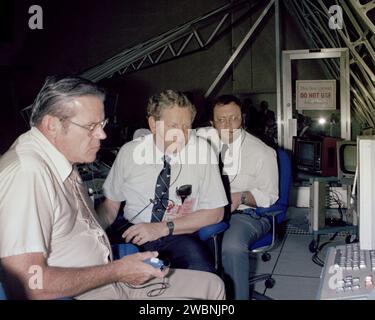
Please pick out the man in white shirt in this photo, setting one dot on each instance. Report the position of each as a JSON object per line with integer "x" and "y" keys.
{"x": 138, "y": 175}
{"x": 251, "y": 168}
{"x": 51, "y": 244}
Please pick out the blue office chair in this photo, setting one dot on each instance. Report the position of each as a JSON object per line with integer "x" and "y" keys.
{"x": 2, "y": 292}
{"x": 276, "y": 214}
{"x": 213, "y": 236}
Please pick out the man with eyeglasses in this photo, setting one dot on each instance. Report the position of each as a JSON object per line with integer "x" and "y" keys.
{"x": 147, "y": 174}
{"x": 51, "y": 242}
{"x": 250, "y": 169}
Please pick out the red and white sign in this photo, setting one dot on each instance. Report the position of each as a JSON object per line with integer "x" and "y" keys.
{"x": 316, "y": 94}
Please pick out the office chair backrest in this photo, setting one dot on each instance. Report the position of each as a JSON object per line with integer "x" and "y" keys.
{"x": 285, "y": 179}
{"x": 2, "y": 293}
{"x": 285, "y": 176}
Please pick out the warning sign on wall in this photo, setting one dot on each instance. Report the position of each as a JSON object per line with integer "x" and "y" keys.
{"x": 316, "y": 94}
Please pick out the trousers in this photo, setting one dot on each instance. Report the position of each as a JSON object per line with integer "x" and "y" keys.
{"x": 179, "y": 284}
{"x": 184, "y": 251}
{"x": 244, "y": 229}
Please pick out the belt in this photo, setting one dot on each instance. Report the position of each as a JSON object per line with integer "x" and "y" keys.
{"x": 250, "y": 212}
{"x": 245, "y": 211}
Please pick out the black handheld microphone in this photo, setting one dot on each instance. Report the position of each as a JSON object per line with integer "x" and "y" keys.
{"x": 153, "y": 201}
{"x": 184, "y": 191}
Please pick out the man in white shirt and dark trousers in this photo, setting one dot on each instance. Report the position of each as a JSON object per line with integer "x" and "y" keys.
{"x": 151, "y": 172}
{"x": 252, "y": 171}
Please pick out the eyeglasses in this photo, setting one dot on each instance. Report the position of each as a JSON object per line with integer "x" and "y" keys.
{"x": 90, "y": 127}
{"x": 229, "y": 119}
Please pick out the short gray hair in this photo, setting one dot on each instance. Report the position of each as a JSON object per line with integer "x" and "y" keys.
{"x": 57, "y": 92}
{"x": 166, "y": 100}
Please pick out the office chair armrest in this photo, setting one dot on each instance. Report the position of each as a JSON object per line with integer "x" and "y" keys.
{"x": 270, "y": 211}
{"x": 211, "y": 230}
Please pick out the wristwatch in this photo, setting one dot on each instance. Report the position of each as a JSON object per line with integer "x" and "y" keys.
{"x": 243, "y": 197}
{"x": 170, "y": 226}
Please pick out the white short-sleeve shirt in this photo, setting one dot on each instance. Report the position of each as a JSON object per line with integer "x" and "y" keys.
{"x": 134, "y": 173}
{"x": 38, "y": 212}
{"x": 255, "y": 166}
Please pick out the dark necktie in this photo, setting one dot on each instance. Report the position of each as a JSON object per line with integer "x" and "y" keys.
{"x": 226, "y": 183}
{"x": 161, "y": 192}
{"x": 224, "y": 149}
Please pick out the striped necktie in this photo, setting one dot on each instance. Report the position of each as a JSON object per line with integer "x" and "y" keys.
{"x": 162, "y": 191}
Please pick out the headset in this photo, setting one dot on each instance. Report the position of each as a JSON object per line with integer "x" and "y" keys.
{"x": 238, "y": 159}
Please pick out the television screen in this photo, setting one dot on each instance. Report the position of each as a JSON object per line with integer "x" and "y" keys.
{"x": 349, "y": 158}
{"x": 316, "y": 155}
{"x": 346, "y": 159}
{"x": 306, "y": 153}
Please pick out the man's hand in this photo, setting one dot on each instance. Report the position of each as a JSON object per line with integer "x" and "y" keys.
{"x": 249, "y": 199}
{"x": 236, "y": 200}
{"x": 134, "y": 271}
{"x": 58, "y": 282}
{"x": 141, "y": 233}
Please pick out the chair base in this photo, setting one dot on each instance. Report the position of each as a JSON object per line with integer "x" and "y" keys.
{"x": 258, "y": 296}
{"x": 266, "y": 257}
{"x": 269, "y": 282}
{"x": 260, "y": 277}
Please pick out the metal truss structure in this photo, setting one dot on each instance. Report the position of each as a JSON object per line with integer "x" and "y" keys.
{"x": 193, "y": 36}
{"x": 356, "y": 33}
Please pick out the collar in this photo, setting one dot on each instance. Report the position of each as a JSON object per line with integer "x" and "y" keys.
{"x": 238, "y": 142}
{"x": 62, "y": 165}
{"x": 176, "y": 157}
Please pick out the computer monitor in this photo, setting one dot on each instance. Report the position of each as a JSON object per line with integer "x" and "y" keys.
{"x": 366, "y": 191}
{"x": 346, "y": 160}
{"x": 315, "y": 155}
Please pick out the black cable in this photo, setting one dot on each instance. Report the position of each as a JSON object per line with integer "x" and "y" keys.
{"x": 170, "y": 185}
{"x": 152, "y": 201}
{"x": 315, "y": 258}
{"x": 239, "y": 159}
{"x": 334, "y": 198}
{"x": 144, "y": 208}
{"x": 153, "y": 292}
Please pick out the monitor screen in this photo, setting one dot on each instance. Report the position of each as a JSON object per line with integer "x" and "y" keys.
{"x": 346, "y": 160}
{"x": 316, "y": 155}
{"x": 349, "y": 158}
{"x": 306, "y": 153}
